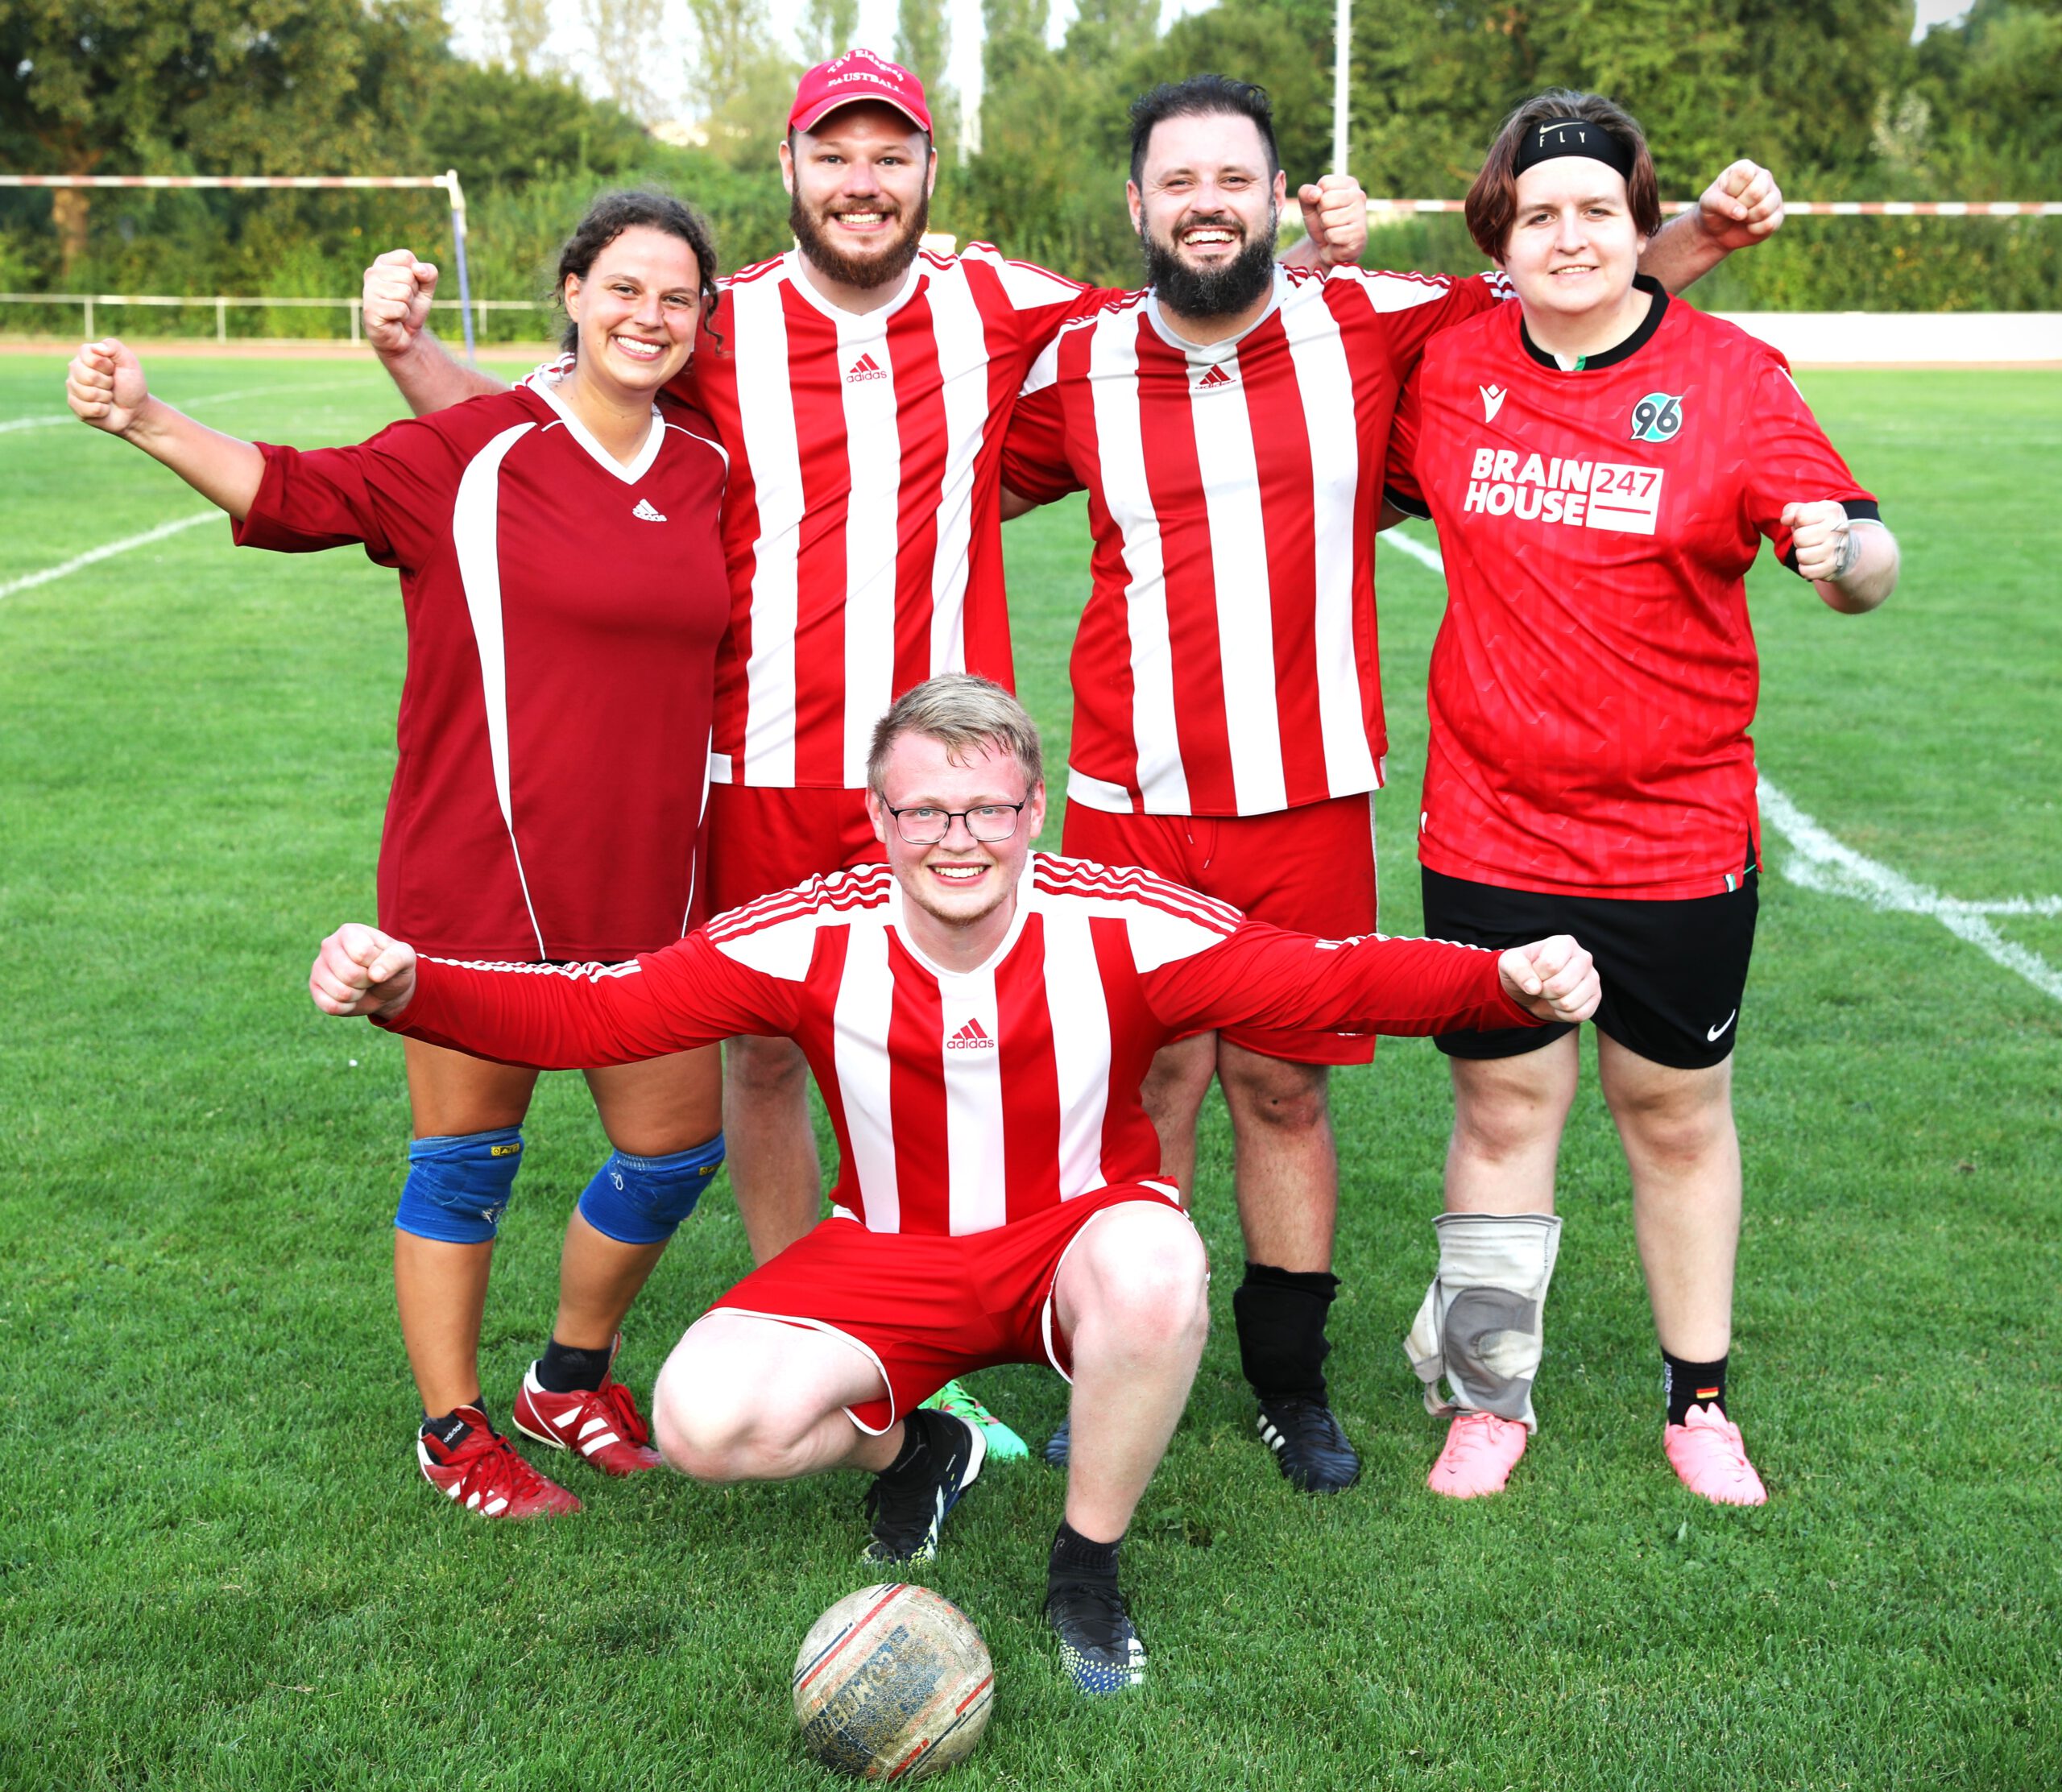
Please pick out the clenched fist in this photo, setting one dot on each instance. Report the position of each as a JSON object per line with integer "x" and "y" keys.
{"x": 360, "y": 970}
{"x": 1336, "y": 217}
{"x": 398, "y": 289}
{"x": 104, "y": 385}
{"x": 1551, "y": 980}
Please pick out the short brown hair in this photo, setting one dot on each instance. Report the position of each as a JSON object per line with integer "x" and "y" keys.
{"x": 961, "y": 713}
{"x": 1493, "y": 200}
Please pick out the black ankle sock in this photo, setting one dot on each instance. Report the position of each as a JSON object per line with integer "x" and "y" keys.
{"x": 450, "y": 1429}
{"x": 1279, "y": 1314}
{"x": 1077, "y": 1559}
{"x": 562, "y": 1369}
{"x": 1687, "y": 1385}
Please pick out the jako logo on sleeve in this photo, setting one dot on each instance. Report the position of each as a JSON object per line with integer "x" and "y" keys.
{"x": 1595, "y": 494}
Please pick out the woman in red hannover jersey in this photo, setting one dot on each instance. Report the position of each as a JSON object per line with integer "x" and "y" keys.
{"x": 564, "y": 586}
{"x": 1602, "y": 462}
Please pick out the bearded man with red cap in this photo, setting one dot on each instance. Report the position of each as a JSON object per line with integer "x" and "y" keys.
{"x": 862, "y": 385}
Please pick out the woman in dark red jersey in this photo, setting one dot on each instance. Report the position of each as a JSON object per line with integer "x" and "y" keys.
{"x": 1602, "y": 463}
{"x": 564, "y": 592}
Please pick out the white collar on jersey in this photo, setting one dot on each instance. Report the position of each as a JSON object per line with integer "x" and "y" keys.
{"x": 1207, "y": 353}
{"x": 798, "y": 278}
{"x": 646, "y": 455}
{"x": 897, "y": 919}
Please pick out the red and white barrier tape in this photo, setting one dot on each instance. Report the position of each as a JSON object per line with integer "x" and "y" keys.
{"x": 1814, "y": 208}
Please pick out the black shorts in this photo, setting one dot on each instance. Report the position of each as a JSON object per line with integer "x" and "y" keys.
{"x": 1672, "y": 971}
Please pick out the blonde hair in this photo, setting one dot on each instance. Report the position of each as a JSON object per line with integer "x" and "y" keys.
{"x": 962, "y": 713}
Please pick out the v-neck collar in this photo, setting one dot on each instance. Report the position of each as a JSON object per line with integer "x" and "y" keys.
{"x": 898, "y": 919}
{"x": 1225, "y": 347}
{"x": 629, "y": 474}
{"x": 798, "y": 278}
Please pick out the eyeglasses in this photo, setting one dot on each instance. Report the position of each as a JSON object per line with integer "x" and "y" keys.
{"x": 991, "y": 824}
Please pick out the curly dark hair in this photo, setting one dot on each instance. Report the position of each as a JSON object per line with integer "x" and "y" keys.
{"x": 613, "y": 213}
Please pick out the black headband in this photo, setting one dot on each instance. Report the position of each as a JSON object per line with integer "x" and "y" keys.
{"x": 1541, "y": 142}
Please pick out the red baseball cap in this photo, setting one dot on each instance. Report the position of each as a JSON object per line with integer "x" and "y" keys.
{"x": 855, "y": 76}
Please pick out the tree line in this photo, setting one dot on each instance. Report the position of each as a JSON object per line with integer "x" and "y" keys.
{"x": 1830, "y": 92}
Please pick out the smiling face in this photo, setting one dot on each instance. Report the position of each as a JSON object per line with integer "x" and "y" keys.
{"x": 860, "y": 186}
{"x": 960, "y": 893}
{"x": 1573, "y": 246}
{"x": 1206, "y": 206}
{"x": 637, "y": 309}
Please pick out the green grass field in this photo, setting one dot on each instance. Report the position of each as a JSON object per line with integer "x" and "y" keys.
{"x": 219, "y": 1568}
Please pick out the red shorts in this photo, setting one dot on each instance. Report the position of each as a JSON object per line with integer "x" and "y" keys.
{"x": 757, "y": 840}
{"x": 1310, "y": 869}
{"x": 926, "y": 1308}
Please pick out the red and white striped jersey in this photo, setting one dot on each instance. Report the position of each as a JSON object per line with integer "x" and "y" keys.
{"x": 1225, "y": 662}
{"x": 861, "y": 527}
{"x": 963, "y": 1100}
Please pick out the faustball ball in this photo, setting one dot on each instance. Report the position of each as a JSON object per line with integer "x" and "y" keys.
{"x": 892, "y": 1682}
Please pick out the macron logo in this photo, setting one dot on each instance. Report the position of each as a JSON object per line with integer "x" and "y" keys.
{"x": 970, "y": 1038}
{"x": 644, "y": 513}
{"x": 866, "y": 367}
{"x": 1492, "y": 401}
{"x": 1216, "y": 377}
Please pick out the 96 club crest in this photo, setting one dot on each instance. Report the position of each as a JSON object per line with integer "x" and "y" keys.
{"x": 1658, "y": 417}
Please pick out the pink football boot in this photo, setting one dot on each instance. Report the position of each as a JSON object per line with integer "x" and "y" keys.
{"x": 1481, "y": 1450}
{"x": 1708, "y": 1458}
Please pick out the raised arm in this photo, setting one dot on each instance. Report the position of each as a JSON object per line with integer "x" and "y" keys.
{"x": 548, "y": 1016}
{"x": 398, "y": 289}
{"x": 106, "y": 386}
{"x": 1263, "y": 976}
{"x": 1334, "y": 223}
{"x": 1742, "y": 207}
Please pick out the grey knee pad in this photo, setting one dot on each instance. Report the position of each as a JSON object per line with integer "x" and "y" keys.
{"x": 1480, "y": 1326}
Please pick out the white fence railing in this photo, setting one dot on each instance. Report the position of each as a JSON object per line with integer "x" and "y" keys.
{"x": 476, "y": 309}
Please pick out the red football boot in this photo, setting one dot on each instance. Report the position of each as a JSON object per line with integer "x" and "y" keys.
{"x": 483, "y": 1474}
{"x": 601, "y": 1424}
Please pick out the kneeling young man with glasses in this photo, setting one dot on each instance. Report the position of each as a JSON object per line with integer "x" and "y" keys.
{"x": 979, "y": 1018}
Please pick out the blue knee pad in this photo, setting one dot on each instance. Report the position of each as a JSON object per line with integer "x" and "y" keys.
{"x": 642, "y": 1200}
{"x": 457, "y": 1186}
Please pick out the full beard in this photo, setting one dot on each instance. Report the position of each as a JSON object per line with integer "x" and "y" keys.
{"x": 865, "y": 272}
{"x": 1221, "y": 292}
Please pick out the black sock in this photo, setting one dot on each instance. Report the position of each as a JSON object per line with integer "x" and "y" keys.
{"x": 562, "y": 1369}
{"x": 916, "y": 1444}
{"x": 450, "y": 1429}
{"x": 1079, "y": 1561}
{"x": 1688, "y": 1385}
{"x": 1279, "y": 1314}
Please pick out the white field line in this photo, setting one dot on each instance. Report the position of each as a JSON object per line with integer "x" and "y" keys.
{"x": 1818, "y": 862}
{"x": 108, "y": 552}
{"x": 184, "y": 404}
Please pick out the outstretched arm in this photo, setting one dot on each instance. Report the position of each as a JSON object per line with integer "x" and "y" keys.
{"x": 1259, "y": 975}
{"x": 1742, "y": 207}
{"x": 398, "y": 289}
{"x": 551, "y": 1017}
{"x": 106, "y": 386}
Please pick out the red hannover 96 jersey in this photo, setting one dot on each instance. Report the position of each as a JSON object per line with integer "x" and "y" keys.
{"x": 563, "y": 614}
{"x": 1226, "y": 663}
{"x": 1595, "y": 676}
{"x": 965, "y": 1100}
{"x": 862, "y": 527}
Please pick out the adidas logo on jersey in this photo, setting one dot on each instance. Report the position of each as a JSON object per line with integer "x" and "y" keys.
{"x": 970, "y": 1038}
{"x": 1217, "y": 377}
{"x": 866, "y": 367}
{"x": 643, "y": 512}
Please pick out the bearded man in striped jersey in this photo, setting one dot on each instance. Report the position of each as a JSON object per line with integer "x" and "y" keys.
{"x": 1230, "y": 423}
{"x": 979, "y": 1018}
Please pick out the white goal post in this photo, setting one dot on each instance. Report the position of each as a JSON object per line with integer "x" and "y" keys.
{"x": 447, "y": 180}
